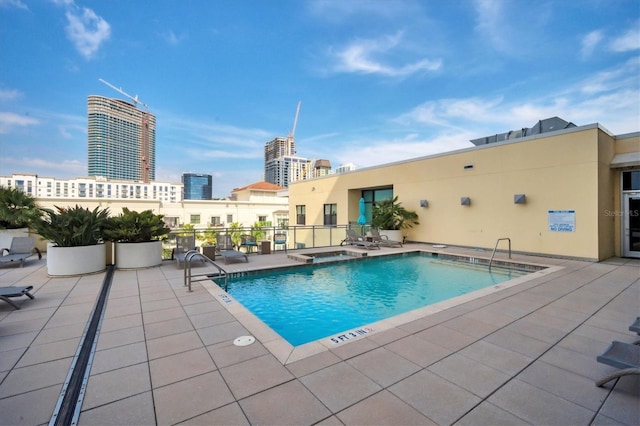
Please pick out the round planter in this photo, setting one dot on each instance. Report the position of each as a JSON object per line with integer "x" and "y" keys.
{"x": 138, "y": 255}
{"x": 69, "y": 261}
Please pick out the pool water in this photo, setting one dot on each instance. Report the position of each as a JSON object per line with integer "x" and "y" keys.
{"x": 313, "y": 302}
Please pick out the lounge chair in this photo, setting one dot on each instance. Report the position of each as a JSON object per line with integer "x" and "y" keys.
{"x": 7, "y": 292}
{"x": 249, "y": 242}
{"x": 355, "y": 240}
{"x": 280, "y": 238}
{"x": 383, "y": 240}
{"x": 21, "y": 249}
{"x": 625, "y": 356}
{"x": 183, "y": 245}
{"x": 635, "y": 327}
{"x": 226, "y": 249}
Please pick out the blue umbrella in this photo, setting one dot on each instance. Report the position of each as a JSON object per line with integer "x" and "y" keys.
{"x": 362, "y": 219}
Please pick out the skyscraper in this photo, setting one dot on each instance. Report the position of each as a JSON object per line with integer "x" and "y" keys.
{"x": 121, "y": 140}
{"x": 197, "y": 186}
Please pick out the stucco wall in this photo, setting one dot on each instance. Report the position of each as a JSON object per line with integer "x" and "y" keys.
{"x": 567, "y": 170}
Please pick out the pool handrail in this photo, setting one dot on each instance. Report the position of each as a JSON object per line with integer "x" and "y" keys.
{"x": 496, "y": 246}
{"x": 188, "y": 277}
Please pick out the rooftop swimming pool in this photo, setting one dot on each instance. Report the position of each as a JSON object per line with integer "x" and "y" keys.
{"x": 311, "y": 302}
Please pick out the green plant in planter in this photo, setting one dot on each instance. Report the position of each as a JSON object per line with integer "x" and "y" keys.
{"x": 136, "y": 227}
{"x": 208, "y": 237}
{"x": 235, "y": 229}
{"x": 17, "y": 209}
{"x": 390, "y": 214}
{"x": 257, "y": 230}
{"x": 72, "y": 226}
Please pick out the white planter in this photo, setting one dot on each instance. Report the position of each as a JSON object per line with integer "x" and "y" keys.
{"x": 393, "y": 235}
{"x": 68, "y": 261}
{"x": 6, "y": 236}
{"x": 138, "y": 255}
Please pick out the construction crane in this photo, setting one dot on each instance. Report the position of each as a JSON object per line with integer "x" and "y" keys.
{"x": 295, "y": 123}
{"x": 133, "y": 98}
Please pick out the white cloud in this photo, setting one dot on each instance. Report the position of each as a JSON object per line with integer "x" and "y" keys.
{"x": 18, "y": 4}
{"x": 361, "y": 56}
{"x": 65, "y": 168}
{"x": 86, "y": 30}
{"x": 9, "y": 120}
{"x": 590, "y": 41}
{"x": 9, "y": 95}
{"x": 173, "y": 39}
{"x": 628, "y": 41}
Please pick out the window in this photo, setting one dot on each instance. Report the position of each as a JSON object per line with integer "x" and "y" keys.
{"x": 215, "y": 221}
{"x": 301, "y": 213}
{"x": 229, "y": 218}
{"x": 194, "y": 219}
{"x": 331, "y": 214}
{"x": 262, "y": 218}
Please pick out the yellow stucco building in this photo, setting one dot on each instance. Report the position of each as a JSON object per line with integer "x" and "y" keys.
{"x": 572, "y": 193}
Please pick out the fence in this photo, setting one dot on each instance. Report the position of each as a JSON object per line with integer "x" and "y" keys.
{"x": 298, "y": 236}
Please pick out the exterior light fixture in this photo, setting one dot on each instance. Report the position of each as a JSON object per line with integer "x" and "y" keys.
{"x": 519, "y": 199}
{"x": 465, "y": 201}
{"x": 424, "y": 203}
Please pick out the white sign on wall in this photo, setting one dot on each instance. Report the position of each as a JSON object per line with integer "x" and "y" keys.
{"x": 562, "y": 220}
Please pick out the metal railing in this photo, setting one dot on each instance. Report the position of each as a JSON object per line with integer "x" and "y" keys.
{"x": 189, "y": 277}
{"x": 496, "y": 246}
{"x": 298, "y": 236}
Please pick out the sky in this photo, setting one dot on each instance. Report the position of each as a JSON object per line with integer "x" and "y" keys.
{"x": 378, "y": 81}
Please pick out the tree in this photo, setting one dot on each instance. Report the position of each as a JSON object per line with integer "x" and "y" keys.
{"x": 390, "y": 214}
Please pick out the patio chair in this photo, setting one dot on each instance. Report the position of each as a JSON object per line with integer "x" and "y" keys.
{"x": 635, "y": 327}
{"x": 249, "y": 242}
{"x": 383, "y": 240}
{"x": 183, "y": 245}
{"x": 21, "y": 249}
{"x": 280, "y": 238}
{"x": 355, "y": 240}
{"x": 7, "y": 292}
{"x": 625, "y": 356}
{"x": 227, "y": 251}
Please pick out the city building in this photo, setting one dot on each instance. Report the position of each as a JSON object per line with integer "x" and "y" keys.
{"x": 121, "y": 140}
{"x": 347, "y": 167}
{"x": 572, "y": 192}
{"x": 197, "y": 186}
{"x": 92, "y": 188}
{"x": 279, "y": 147}
{"x": 286, "y": 169}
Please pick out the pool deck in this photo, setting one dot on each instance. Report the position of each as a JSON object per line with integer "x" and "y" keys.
{"x": 523, "y": 355}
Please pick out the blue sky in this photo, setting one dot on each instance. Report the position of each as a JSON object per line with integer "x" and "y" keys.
{"x": 379, "y": 81}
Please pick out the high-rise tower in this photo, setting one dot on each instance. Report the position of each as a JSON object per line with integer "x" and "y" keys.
{"x": 121, "y": 140}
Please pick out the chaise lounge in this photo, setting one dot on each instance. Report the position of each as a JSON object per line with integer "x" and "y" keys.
{"x": 21, "y": 249}
{"x": 625, "y": 356}
{"x": 227, "y": 251}
{"x": 383, "y": 240}
{"x": 7, "y": 292}
{"x": 355, "y": 240}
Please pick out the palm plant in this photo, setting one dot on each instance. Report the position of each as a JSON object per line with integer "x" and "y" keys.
{"x": 136, "y": 227}
{"x": 72, "y": 226}
{"x": 390, "y": 214}
{"x": 17, "y": 209}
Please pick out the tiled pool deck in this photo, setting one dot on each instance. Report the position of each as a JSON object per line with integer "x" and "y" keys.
{"x": 523, "y": 355}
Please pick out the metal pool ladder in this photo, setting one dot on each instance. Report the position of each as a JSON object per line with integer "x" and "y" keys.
{"x": 189, "y": 277}
{"x": 496, "y": 246}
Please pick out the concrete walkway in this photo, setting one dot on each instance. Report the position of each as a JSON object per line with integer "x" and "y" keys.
{"x": 522, "y": 355}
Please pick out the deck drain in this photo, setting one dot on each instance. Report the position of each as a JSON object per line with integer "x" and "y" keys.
{"x": 244, "y": 340}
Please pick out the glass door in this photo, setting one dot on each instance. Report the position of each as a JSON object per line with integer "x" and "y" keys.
{"x": 631, "y": 225}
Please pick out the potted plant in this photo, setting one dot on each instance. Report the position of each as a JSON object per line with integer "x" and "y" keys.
{"x": 208, "y": 238}
{"x": 76, "y": 246}
{"x": 390, "y": 217}
{"x": 137, "y": 237}
{"x": 18, "y": 210}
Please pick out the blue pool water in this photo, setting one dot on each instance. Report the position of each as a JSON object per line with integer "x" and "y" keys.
{"x": 312, "y": 302}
